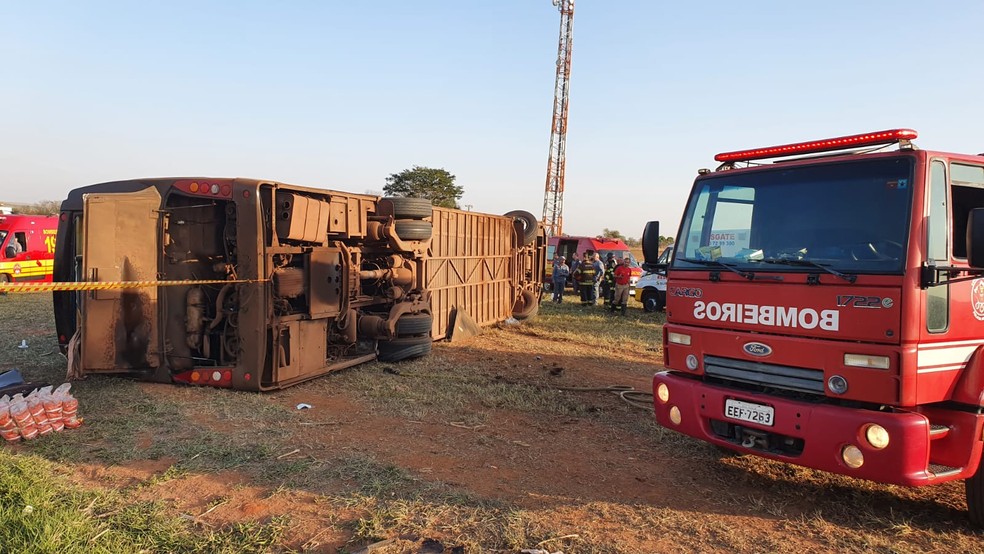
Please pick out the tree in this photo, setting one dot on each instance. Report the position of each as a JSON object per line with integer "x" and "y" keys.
{"x": 437, "y": 185}
{"x": 43, "y": 207}
{"x": 612, "y": 234}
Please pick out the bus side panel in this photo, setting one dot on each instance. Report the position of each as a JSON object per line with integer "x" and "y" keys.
{"x": 471, "y": 268}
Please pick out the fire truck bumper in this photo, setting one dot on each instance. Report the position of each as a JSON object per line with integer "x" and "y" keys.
{"x": 883, "y": 446}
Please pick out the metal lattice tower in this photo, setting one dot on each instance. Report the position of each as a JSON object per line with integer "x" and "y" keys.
{"x": 553, "y": 198}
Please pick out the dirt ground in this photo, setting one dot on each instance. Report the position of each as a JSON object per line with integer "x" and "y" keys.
{"x": 563, "y": 471}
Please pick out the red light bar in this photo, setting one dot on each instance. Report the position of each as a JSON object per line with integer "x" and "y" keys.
{"x": 866, "y": 139}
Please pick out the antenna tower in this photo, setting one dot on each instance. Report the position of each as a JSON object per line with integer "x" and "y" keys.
{"x": 553, "y": 198}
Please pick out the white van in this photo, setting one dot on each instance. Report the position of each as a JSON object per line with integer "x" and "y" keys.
{"x": 650, "y": 289}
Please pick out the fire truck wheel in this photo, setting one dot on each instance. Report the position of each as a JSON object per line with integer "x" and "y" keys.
{"x": 974, "y": 488}
{"x": 527, "y": 226}
{"x": 407, "y": 208}
{"x": 403, "y": 348}
{"x": 414, "y": 324}
{"x": 408, "y": 229}
{"x": 4, "y": 278}
{"x": 526, "y": 306}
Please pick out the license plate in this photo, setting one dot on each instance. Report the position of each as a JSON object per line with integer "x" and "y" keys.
{"x": 752, "y": 413}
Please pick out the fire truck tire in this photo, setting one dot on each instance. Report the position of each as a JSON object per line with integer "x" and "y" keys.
{"x": 530, "y": 226}
{"x": 403, "y": 348}
{"x": 527, "y": 306}
{"x": 409, "y": 229}
{"x": 974, "y": 488}
{"x": 408, "y": 208}
{"x": 414, "y": 325}
{"x": 4, "y": 278}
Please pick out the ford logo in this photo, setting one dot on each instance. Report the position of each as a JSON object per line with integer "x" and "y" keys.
{"x": 757, "y": 349}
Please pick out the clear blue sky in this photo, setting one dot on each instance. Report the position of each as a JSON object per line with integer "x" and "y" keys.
{"x": 341, "y": 94}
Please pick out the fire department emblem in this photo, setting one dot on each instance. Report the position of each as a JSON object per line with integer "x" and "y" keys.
{"x": 17, "y": 269}
{"x": 977, "y": 298}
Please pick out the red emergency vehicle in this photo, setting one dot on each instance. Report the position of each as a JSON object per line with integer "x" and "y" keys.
{"x": 828, "y": 310}
{"x": 569, "y": 247}
{"x": 27, "y": 247}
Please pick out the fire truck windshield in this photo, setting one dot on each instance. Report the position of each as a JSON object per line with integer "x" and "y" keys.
{"x": 843, "y": 216}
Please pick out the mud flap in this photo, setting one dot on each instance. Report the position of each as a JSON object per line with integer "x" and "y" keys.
{"x": 462, "y": 326}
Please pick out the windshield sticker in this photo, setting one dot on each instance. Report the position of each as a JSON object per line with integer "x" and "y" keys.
{"x": 977, "y": 298}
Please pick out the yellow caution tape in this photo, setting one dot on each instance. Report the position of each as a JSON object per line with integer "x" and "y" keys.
{"x": 112, "y": 285}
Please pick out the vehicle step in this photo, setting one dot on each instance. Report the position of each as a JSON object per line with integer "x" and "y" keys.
{"x": 943, "y": 471}
{"x": 937, "y": 431}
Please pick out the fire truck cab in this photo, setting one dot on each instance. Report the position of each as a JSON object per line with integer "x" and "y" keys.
{"x": 827, "y": 310}
{"x": 27, "y": 246}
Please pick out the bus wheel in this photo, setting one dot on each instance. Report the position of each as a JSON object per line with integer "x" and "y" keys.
{"x": 414, "y": 324}
{"x": 403, "y": 348}
{"x": 407, "y": 208}
{"x": 526, "y": 306}
{"x": 408, "y": 229}
{"x": 527, "y": 226}
{"x": 974, "y": 488}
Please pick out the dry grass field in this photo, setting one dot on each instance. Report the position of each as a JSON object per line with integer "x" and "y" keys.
{"x": 476, "y": 448}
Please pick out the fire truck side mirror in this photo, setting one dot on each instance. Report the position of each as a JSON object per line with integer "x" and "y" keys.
{"x": 10, "y": 252}
{"x": 975, "y": 237}
{"x": 650, "y": 245}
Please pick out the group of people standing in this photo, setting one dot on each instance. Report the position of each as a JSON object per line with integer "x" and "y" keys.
{"x": 594, "y": 279}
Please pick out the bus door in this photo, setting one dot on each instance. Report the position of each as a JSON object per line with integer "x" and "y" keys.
{"x": 119, "y": 243}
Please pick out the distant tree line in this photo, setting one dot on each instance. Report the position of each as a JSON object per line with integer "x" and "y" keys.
{"x": 42, "y": 207}
{"x": 607, "y": 233}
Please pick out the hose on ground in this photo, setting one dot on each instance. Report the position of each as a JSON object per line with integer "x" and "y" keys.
{"x": 636, "y": 398}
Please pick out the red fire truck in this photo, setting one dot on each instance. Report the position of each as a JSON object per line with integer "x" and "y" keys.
{"x": 827, "y": 310}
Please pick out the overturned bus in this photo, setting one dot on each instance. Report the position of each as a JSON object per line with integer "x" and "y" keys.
{"x": 271, "y": 284}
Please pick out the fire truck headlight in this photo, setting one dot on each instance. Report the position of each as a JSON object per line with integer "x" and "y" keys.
{"x": 678, "y": 338}
{"x": 837, "y": 384}
{"x": 876, "y": 435}
{"x": 692, "y": 362}
{"x": 852, "y": 456}
{"x": 675, "y": 416}
{"x": 663, "y": 393}
{"x": 865, "y": 360}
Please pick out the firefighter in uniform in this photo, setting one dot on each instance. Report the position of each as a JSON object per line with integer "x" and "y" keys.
{"x": 608, "y": 283}
{"x": 587, "y": 277}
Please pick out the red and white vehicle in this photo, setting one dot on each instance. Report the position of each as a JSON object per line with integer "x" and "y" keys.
{"x": 27, "y": 247}
{"x": 572, "y": 247}
{"x": 840, "y": 323}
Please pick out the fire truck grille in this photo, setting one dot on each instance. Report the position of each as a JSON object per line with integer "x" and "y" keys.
{"x": 768, "y": 375}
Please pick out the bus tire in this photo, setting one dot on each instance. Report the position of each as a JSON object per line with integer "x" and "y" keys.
{"x": 527, "y": 306}
{"x": 974, "y": 489}
{"x": 530, "y": 226}
{"x": 409, "y": 229}
{"x": 414, "y": 325}
{"x": 403, "y": 348}
{"x": 407, "y": 208}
